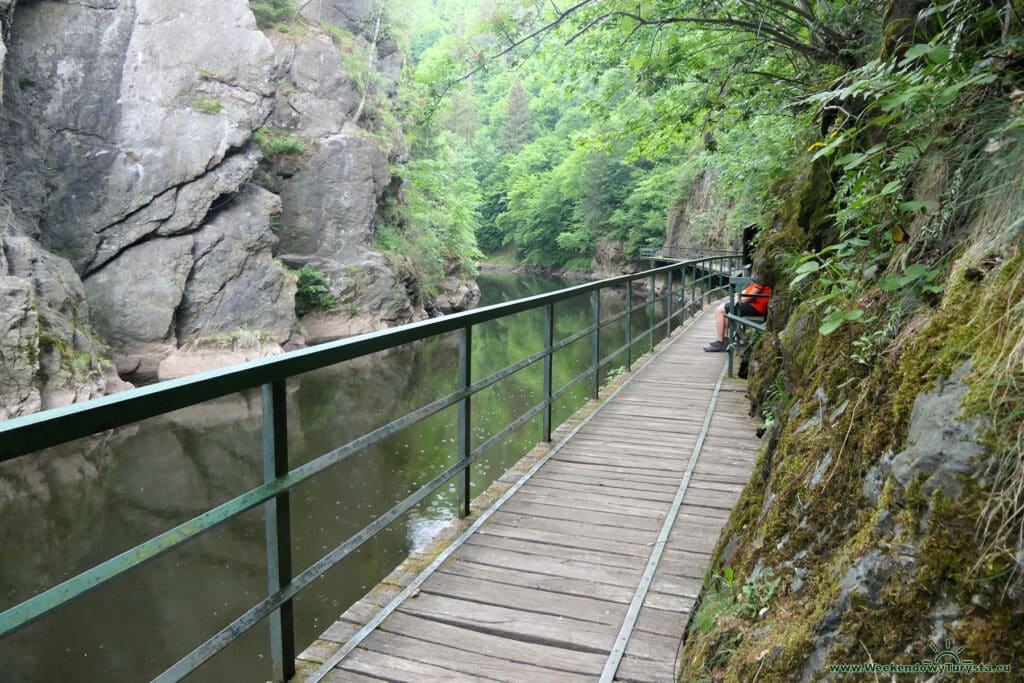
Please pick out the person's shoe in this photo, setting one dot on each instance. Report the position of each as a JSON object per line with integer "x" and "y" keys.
{"x": 716, "y": 346}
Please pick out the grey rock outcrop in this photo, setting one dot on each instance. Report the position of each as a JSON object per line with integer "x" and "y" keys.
{"x": 49, "y": 355}
{"x": 331, "y": 197}
{"x": 19, "y": 348}
{"x": 316, "y": 97}
{"x": 136, "y": 164}
{"x": 941, "y": 446}
{"x": 329, "y": 205}
{"x": 138, "y": 113}
{"x": 235, "y": 280}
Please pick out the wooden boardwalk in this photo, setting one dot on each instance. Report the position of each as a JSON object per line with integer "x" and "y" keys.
{"x": 540, "y": 592}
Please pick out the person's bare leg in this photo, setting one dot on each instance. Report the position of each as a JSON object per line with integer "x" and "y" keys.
{"x": 720, "y": 322}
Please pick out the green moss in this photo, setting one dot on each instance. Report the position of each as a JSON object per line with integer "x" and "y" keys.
{"x": 206, "y": 105}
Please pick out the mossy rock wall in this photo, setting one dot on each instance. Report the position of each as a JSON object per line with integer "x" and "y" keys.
{"x": 885, "y": 545}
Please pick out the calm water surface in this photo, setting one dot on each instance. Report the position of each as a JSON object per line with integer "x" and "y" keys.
{"x": 68, "y": 510}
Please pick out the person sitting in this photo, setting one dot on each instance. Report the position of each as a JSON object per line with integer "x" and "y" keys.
{"x": 753, "y": 302}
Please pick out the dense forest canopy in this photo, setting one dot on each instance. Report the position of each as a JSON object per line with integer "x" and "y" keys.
{"x": 595, "y": 121}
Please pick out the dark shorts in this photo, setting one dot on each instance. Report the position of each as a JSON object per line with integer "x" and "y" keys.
{"x": 746, "y": 310}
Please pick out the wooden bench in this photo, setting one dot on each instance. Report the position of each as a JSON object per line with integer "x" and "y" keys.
{"x": 736, "y": 286}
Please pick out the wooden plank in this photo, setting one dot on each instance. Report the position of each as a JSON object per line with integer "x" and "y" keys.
{"x": 598, "y": 503}
{"x": 589, "y": 517}
{"x": 636, "y": 670}
{"x": 635, "y": 463}
{"x": 363, "y": 663}
{"x": 529, "y": 599}
{"x": 573, "y": 476}
{"x": 575, "y": 527}
{"x": 649, "y": 496}
{"x": 546, "y": 582}
{"x": 618, "y": 475}
{"x": 568, "y": 541}
{"x": 531, "y": 547}
{"x": 427, "y": 648}
{"x": 338, "y": 676}
{"x": 663, "y": 622}
{"x": 515, "y": 625}
{"x": 567, "y": 568}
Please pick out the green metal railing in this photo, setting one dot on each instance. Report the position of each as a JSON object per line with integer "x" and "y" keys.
{"x": 25, "y": 435}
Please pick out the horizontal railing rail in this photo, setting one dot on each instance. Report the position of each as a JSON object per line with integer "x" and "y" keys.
{"x": 664, "y": 253}
{"x": 25, "y": 435}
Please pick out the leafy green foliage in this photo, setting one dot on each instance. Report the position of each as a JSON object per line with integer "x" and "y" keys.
{"x": 723, "y": 598}
{"x": 277, "y": 142}
{"x": 313, "y": 292}
{"x": 270, "y": 13}
{"x": 915, "y": 99}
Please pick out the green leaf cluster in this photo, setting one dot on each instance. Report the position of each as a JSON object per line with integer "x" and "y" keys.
{"x": 271, "y": 13}
{"x": 313, "y": 292}
{"x": 275, "y": 142}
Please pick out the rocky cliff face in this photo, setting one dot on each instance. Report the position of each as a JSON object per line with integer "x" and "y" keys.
{"x": 139, "y": 212}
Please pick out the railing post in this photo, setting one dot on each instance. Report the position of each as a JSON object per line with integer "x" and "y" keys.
{"x": 549, "y": 341}
{"x": 693, "y": 284}
{"x": 668, "y": 309}
{"x": 595, "y": 306}
{"x": 277, "y": 513}
{"x": 629, "y": 325}
{"x": 465, "y": 416}
{"x": 650, "y": 299}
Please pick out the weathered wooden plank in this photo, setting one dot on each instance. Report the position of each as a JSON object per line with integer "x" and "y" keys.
{"x": 515, "y": 625}
{"x": 589, "y": 517}
{"x": 636, "y": 670}
{"x": 649, "y": 495}
{"x": 574, "y": 527}
{"x": 532, "y": 547}
{"x": 558, "y": 585}
{"x": 616, "y": 475}
{"x": 567, "y": 541}
{"x": 339, "y": 676}
{"x": 663, "y": 622}
{"x": 567, "y": 568}
{"x": 579, "y": 475}
{"x": 528, "y": 599}
{"x": 597, "y": 503}
{"x": 365, "y": 663}
{"x": 645, "y": 464}
{"x": 499, "y": 650}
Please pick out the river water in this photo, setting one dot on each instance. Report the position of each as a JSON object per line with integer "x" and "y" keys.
{"x": 67, "y": 510}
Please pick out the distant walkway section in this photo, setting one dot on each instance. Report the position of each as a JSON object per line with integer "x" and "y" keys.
{"x": 590, "y": 570}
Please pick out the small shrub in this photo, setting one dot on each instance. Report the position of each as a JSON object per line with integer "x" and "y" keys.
{"x": 389, "y": 238}
{"x": 270, "y": 13}
{"x": 313, "y": 291}
{"x": 275, "y": 143}
{"x": 721, "y": 598}
{"x": 206, "y": 105}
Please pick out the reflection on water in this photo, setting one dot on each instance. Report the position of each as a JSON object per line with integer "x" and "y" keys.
{"x": 83, "y": 503}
